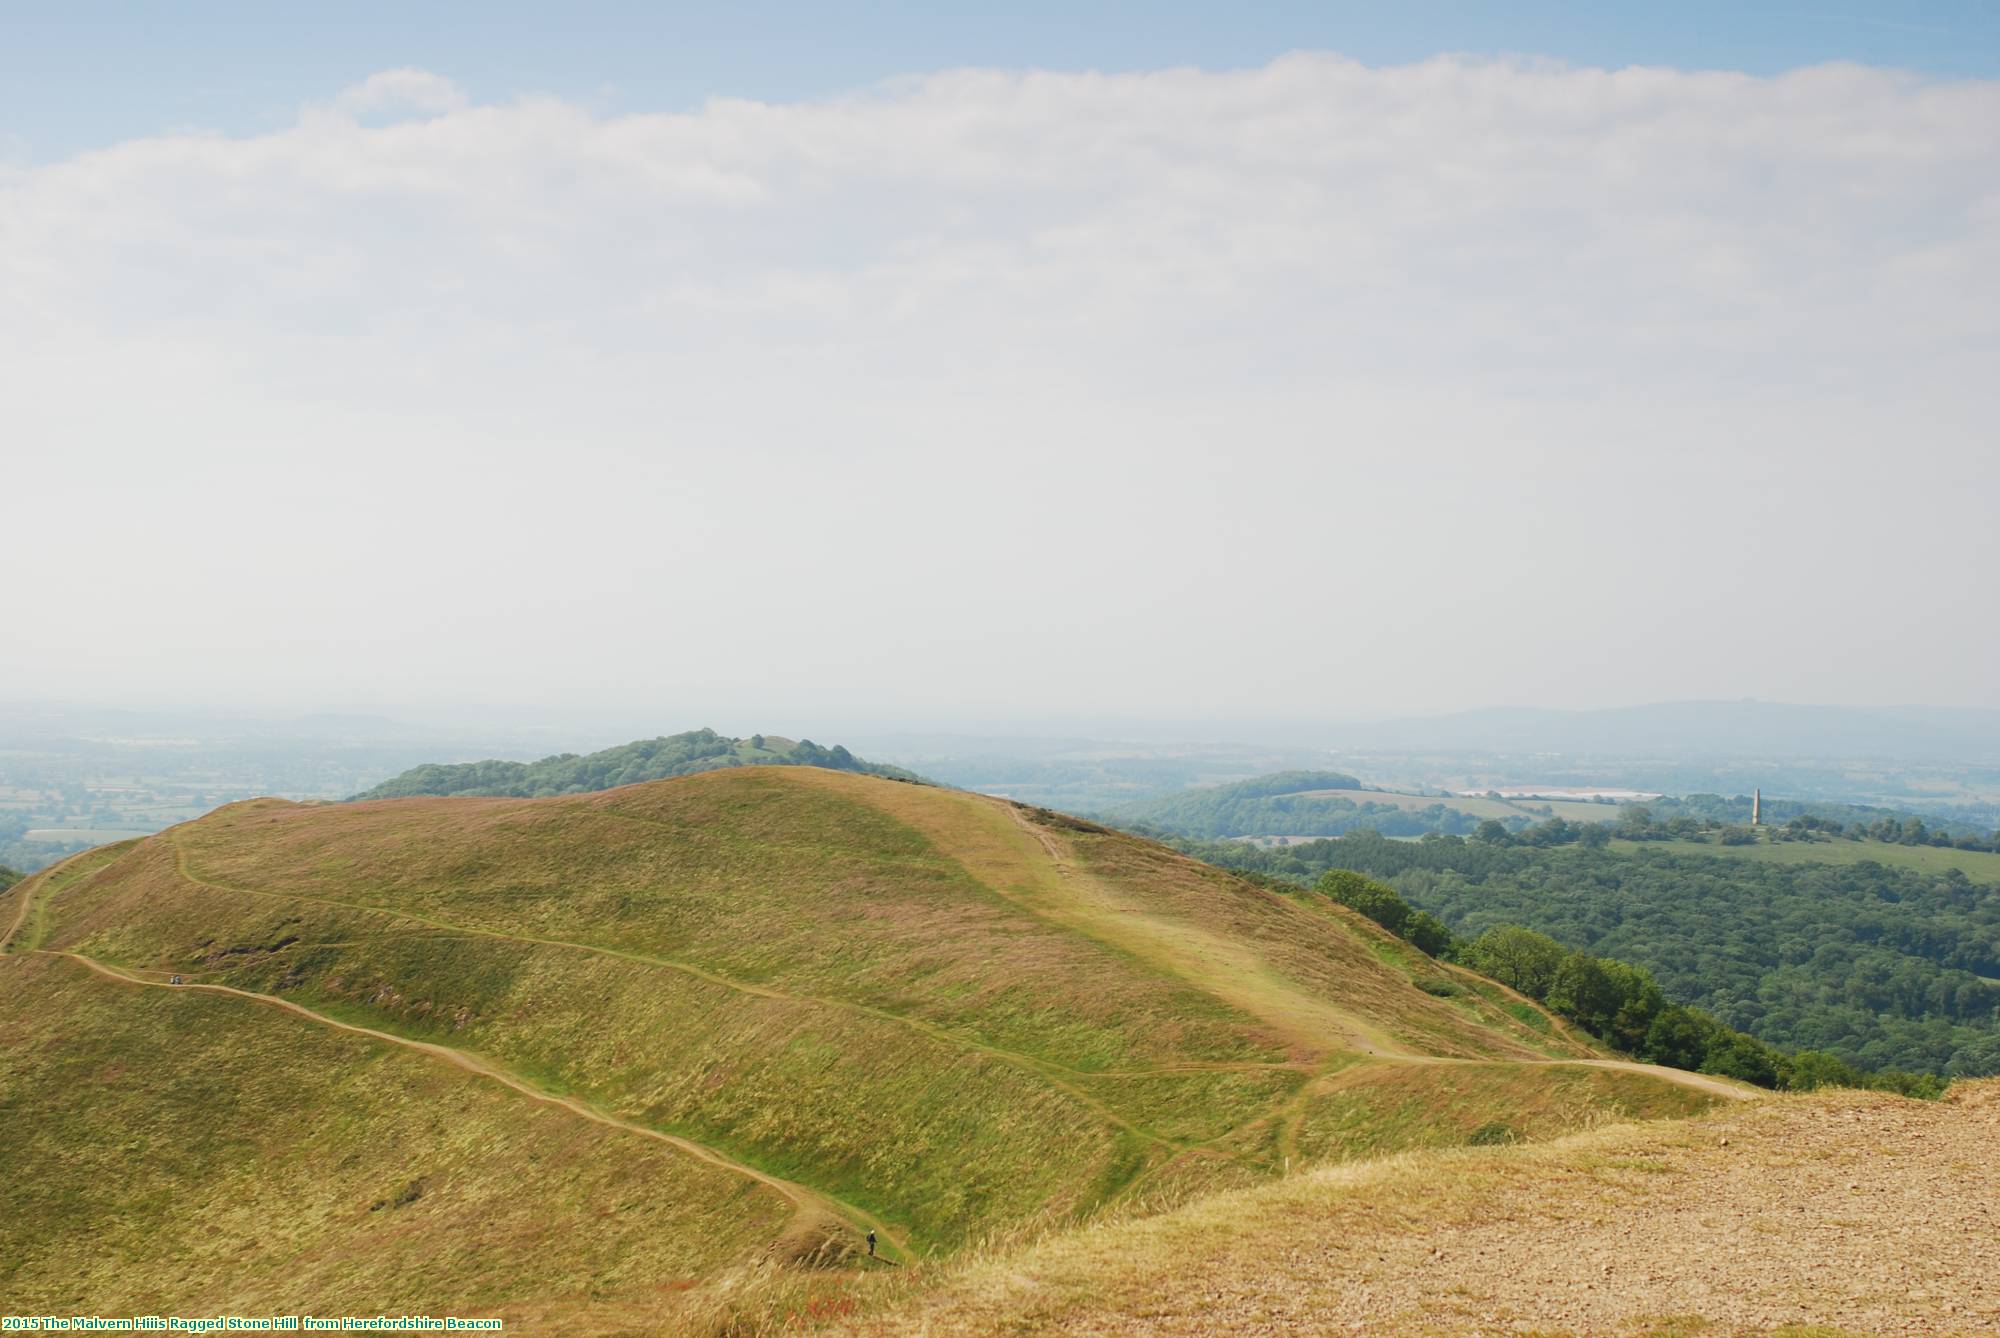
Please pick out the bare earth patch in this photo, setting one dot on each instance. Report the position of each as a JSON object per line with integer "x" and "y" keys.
{"x": 1859, "y": 1212}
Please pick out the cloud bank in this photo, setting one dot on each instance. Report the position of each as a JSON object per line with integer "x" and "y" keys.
{"x": 1311, "y": 389}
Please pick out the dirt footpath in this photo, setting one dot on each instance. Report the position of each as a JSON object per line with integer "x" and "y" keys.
{"x": 1862, "y": 1213}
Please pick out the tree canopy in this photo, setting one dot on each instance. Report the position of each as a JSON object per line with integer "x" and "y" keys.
{"x": 1876, "y": 966}
{"x": 628, "y": 764}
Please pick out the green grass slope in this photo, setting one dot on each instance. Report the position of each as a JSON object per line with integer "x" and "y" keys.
{"x": 185, "y": 1153}
{"x": 892, "y": 1006}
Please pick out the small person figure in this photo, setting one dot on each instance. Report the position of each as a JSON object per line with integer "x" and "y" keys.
{"x": 871, "y": 1242}
{"x": 175, "y": 981}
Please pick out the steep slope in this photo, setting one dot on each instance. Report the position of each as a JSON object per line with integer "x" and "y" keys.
{"x": 183, "y": 1153}
{"x": 842, "y": 1002}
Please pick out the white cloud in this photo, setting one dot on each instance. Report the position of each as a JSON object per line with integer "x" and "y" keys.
{"x": 402, "y": 90}
{"x": 976, "y": 383}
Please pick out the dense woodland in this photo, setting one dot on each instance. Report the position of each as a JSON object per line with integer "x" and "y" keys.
{"x": 1882, "y": 967}
{"x": 628, "y": 764}
{"x": 1617, "y": 1002}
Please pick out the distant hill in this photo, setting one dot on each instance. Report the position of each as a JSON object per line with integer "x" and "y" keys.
{"x": 601, "y": 1051}
{"x": 1308, "y": 803}
{"x": 1717, "y": 728}
{"x": 627, "y": 764}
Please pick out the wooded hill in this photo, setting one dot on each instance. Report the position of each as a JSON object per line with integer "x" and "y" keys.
{"x": 628, "y": 764}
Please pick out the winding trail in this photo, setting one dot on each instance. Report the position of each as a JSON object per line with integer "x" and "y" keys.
{"x": 1056, "y": 1075}
{"x": 808, "y": 1202}
{"x": 41, "y": 884}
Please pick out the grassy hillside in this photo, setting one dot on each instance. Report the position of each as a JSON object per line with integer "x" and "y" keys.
{"x": 831, "y": 1002}
{"x": 628, "y": 764}
{"x": 182, "y": 1152}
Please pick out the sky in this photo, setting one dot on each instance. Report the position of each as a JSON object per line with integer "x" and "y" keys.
{"x": 1314, "y": 362}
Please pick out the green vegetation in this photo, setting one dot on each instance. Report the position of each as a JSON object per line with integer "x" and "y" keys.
{"x": 1976, "y": 865}
{"x": 1306, "y": 804}
{"x": 1616, "y": 1002}
{"x": 8, "y": 877}
{"x": 629, "y": 764}
{"x": 1787, "y": 819}
{"x": 926, "y": 1009}
{"x": 1300, "y": 803}
{"x": 1381, "y": 904}
{"x": 184, "y": 1152}
{"x": 1879, "y": 967}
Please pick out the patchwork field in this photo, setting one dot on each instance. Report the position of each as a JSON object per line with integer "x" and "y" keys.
{"x": 1978, "y": 865}
{"x": 1479, "y": 806}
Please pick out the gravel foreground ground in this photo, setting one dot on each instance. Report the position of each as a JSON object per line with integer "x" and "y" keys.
{"x": 1831, "y": 1213}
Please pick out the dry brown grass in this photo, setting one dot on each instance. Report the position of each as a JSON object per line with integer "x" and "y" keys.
{"x": 1831, "y": 1212}
{"x": 924, "y": 1005}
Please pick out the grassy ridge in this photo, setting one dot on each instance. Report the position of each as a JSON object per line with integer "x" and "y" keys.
{"x": 959, "y": 1016}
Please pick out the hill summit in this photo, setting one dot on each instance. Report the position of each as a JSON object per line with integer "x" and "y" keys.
{"x": 603, "y": 1052}
{"x": 628, "y": 764}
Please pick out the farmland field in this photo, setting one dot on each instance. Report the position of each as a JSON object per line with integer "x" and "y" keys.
{"x": 1977, "y": 865}
{"x": 1478, "y": 806}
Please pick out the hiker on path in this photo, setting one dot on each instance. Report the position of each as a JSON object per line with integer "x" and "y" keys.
{"x": 871, "y": 1242}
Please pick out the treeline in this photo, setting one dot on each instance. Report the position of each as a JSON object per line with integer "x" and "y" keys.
{"x": 1882, "y": 967}
{"x": 1854, "y": 821}
{"x": 628, "y": 764}
{"x": 1617, "y": 1002}
{"x": 1640, "y": 823}
{"x": 9, "y": 877}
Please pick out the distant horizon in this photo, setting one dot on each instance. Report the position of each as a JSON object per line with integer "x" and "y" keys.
{"x": 970, "y": 725}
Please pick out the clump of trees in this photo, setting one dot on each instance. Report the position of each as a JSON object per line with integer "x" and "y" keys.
{"x": 1617, "y": 1002}
{"x": 1379, "y": 902}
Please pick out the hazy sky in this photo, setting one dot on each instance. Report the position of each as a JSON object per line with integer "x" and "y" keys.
{"x": 1318, "y": 387}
